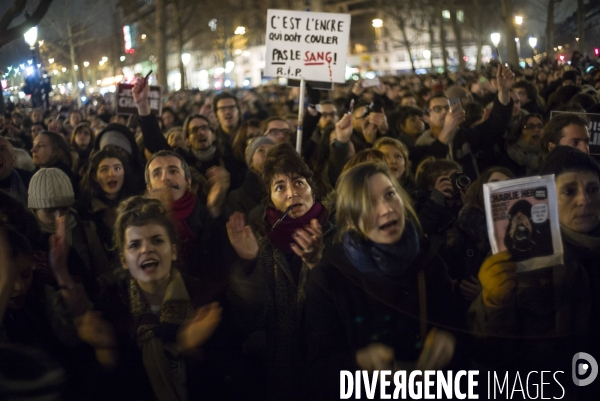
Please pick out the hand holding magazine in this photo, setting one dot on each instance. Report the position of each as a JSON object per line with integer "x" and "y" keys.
{"x": 522, "y": 218}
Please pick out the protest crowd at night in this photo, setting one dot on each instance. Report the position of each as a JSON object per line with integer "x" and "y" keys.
{"x": 287, "y": 240}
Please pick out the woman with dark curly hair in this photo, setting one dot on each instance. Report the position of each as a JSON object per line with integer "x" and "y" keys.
{"x": 297, "y": 231}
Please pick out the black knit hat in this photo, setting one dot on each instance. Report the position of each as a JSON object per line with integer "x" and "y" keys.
{"x": 566, "y": 158}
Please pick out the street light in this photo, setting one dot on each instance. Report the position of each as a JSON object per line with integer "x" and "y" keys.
{"x": 31, "y": 37}
{"x": 377, "y": 24}
{"x": 533, "y": 42}
{"x": 105, "y": 59}
{"x": 122, "y": 58}
{"x": 495, "y": 38}
{"x": 240, "y": 30}
{"x": 495, "y": 41}
{"x": 518, "y": 19}
{"x": 50, "y": 61}
{"x": 427, "y": 54}
{"x": 86, "y": 64}
{"x": 185, "y": 58}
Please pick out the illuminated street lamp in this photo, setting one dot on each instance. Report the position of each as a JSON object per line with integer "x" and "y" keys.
{"x": 31, "y": 37}
{"x": 86, "y": 64}
{"x": 377, "y": 24}
{"x": 427, "y": 54}
{"x": 240, "y": 30}
{"x": 495, "y": 37}
{"x": 185, "y": 58}
{"x": 50, "y": 61}
{"x": 122, "y": 58}
{"x": 105, "y": 59}
{"x": 533, "y": 42}
{"x": 518, "y": 20}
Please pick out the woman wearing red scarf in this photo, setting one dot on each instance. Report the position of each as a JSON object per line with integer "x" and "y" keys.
{"x": 297, "y": 231}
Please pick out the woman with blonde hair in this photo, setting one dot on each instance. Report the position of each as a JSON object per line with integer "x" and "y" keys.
{"x": 377, "y": 291}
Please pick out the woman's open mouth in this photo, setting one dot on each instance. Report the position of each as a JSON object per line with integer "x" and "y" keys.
{"x": 149, "y": 265}
{"x": 389, "y": 227}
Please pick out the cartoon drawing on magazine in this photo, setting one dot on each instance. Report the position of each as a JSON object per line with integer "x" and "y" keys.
{"x": 523, "y": 238}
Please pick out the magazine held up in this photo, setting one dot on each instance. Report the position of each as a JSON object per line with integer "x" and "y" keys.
{"x": 522, "y": 218}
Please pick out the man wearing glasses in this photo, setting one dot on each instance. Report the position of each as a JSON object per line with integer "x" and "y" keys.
{"x": 227, "y": 110}
{"x": 203, "y": 153}
{"x": 278, "y": 130}
{"x": 443, "y": 123}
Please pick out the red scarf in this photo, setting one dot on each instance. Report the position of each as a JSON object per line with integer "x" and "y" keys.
{"x": 281, "y": 237}
{"x": 181, "y": 209}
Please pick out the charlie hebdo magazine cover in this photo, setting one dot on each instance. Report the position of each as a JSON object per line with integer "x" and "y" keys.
{"x": 522, "y": 218}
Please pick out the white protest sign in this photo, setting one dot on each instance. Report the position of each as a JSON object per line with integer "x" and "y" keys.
{"x": 307, "y": 45}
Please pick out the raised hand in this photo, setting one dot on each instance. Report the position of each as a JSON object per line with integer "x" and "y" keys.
{"x": 369, "y": 131}
{"x": 219, "y": 181}
{"x": 358, "y": 89}
{"x": 198, "y": 330}
{"x": 498, "y": 278}
{"x": 95, "y": 331}
{"x": 444, "y": 185}
{"x": 308, "y": 243}
{"x": 506, "y": 79}
{"x": 379, "y": 120}
{"x": 375, "y": 356}
{"x": 59, "y": 248}
{"x": 343, "y": 129}
{"x": 241, "y": 237}
{"x": 140, "y": 92}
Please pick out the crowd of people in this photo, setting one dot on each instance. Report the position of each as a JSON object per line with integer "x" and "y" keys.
{"x": 196, "y": 255}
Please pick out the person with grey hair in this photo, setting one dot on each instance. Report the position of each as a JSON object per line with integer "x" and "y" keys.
{"x": 200, "y": 228}
{"x": 12, "y": 179}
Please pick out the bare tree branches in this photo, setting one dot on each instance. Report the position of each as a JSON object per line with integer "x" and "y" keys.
{"x": 7, "y": 34}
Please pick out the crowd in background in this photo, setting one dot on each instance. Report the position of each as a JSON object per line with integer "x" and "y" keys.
{"x": 196, "y": 255}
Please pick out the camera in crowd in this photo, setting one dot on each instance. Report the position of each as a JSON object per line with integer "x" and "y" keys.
{"x": 460, "y": 181}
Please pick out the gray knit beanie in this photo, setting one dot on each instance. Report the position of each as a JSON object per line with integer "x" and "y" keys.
{"x": 117, "y": 139}
{"x": 254, "y": 144}
{"x": 50, "y": 188}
